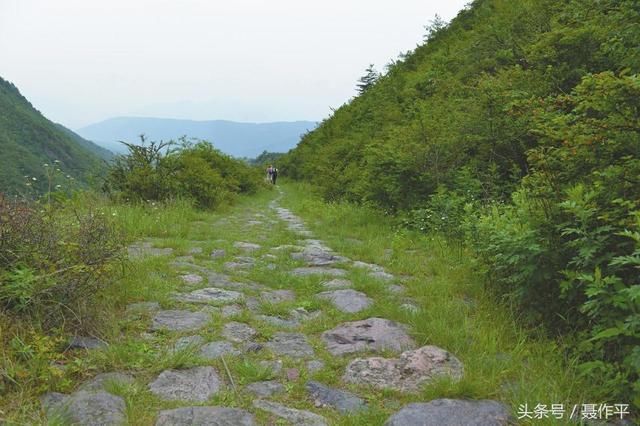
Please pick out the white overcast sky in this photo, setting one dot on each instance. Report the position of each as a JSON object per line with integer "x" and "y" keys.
{"x": 83, "y": 61}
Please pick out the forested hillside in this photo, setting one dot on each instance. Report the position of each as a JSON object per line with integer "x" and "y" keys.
{"x": 514, "y": 129}
{"x": 28, "y": 141}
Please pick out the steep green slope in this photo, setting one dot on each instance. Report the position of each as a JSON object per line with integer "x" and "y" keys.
{"x": 516, "y": 130}
{"x": 28, "y": 141}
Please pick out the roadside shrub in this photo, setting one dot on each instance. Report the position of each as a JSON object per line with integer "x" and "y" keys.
{"x": 53, "y": 259}
{"x": 197, "y": 171}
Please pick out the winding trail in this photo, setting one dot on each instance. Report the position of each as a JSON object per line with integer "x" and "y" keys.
{"x": 223, "y": 316}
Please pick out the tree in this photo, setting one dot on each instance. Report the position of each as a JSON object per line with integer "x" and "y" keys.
{"x": 368, "y": 80}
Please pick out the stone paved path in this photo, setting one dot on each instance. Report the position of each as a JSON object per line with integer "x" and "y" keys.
{"x": 251, "y": 320}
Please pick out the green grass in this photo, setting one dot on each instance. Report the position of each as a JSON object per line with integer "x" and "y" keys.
{"x": 502, "y": 361}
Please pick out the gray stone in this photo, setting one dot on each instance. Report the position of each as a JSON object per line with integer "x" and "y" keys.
{"x": 279, "y": 322}
{"x": 336, "y": 284}
{"x": 84, "y": 342}
{"x": 396, "y": 289}
{"x": 296, "y": 417}
{"x": 452, "y": 412}
{"x": 205, "y": 416}
{"x": 209, "y": 295}
{"x": 215, "y": 350}
{"x": 382, "y": 276}
{"x": 196, "y": 384}
{"x": 277, "y": 296}
{"x": 141, "y": 307}
{"x": 231, "y": 310}
{"x": 314, "y": 365}
{"x": 183, "y": 261}
{"x": 406, "y": 373}
{"x": 86, "y": 408}
{"x": 369, "y": 266}
{"x": 191, "y": 279}
{"x": 317, "y": 270}
{"x": 344, "y": 402}
{"x": 175, "y": 320}
{"x": 252, "y": 347}
{"x": 252, "y": 303}
{"x": 188, "y": 341}
{"x": 248, "y": 247}
{"x": 294, "y": 345}
{"x": 287, "y": 247}
{"x": 265, "y": 389}
{"x": 347, "y": 300}
{"x": 218, "y": 253}
{"x": 274, "y": 365}
{"x": 318, "y": 255}
{"x": 105, "y": 379}
{"x": 238, "y": 331}
{"x": 240, "y": 263}
{"x": 372, "y": 334}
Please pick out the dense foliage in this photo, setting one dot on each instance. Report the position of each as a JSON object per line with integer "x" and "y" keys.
{"x": 28, "y": 140}
{"x": 168, "y": 170}
{"x": 516, "y": 128}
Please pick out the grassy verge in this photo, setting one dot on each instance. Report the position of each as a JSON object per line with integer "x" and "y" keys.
{"x": 502, "y": 360}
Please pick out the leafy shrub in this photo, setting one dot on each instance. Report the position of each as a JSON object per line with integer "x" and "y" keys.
{"x": 52, "y": 260}
{"x": 168, "y": 170}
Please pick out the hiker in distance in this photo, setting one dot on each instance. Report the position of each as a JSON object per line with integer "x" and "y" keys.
{"x": 270, "y": 174}
{"x": 274, "y": 175}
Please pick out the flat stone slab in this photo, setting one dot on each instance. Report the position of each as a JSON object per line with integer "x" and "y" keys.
{"x": 205, "y": 416}
{"x": 372, "y": 334}
{"x": 314, "y": 365}
{"x": 337, "y": 284}
{"x": 85, "y": 342}
{"x": 344, "y": 402}
{"x": 317, "y": 270}
{"x": 294, "y": 345}
{"x": 452, "y": 412}
{"x": 196, "y": 384}
{"x": 347, "y": 300}
{"x": 406, "y": 373}
{"x": 191, "y": 279}
{"x": 230, "y": 310}
{"x": 146, "y": 249}
{"x": 238, "y": 332}
{"x": 210, "y": 295}
{"x": 218, "y": 253}
{"x": 240, "y": 263}
{"x": 369, "y": 266}
{"x": 215, "y": 350}
{"x": 279, "y": 322}
{"x": 277, "y": 296}
{"x": 294, "y": 416}
{"x": 104, "y": 379}
{"x": 265, "y": 389}
{"x": 177, "y": 320}
{"x": 86, "y": 408}
{"x": 317, "y": 255}
{"x": 382, "y": 276}
{"x": 248, "y": 247}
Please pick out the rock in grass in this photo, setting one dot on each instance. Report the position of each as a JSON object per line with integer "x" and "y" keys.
{"x": 84, "y": 342}
{"x": 177, "y": 320}
{"x": 317, "y": 270}
{"x": 294, "y": 345}
{"x": 277, "y": 296}
{"x": 86, "y": 408}
{"x": 215, "y": 350}
{"x": 248, "y": 247}
{"x": 265, "y": 389}
{"x": 210, "y": 295}
{"x": 196, "y": 384}
{"x": 452, "y": 412}
{"x": 294, "y": 416}
{"x": 238, "y": 332}
{"x": 188, "y": 341}
{"x": 344, "y": 402}
{"x": 372, "y": 334}
{"x": 336, "y": 284}
{"x": 105, "y": 379}
{"x": 347, "y": 300}
{"x": 406, "y": 373}
{"x": 205, "y": 416}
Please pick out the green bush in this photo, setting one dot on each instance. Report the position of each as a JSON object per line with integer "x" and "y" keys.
{"x": 169, "y": 170}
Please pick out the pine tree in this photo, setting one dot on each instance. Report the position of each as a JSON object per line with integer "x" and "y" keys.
{"x": 369, "y": 79}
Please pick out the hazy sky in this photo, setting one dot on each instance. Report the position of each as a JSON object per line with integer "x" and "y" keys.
{"x": 82, "y": 61}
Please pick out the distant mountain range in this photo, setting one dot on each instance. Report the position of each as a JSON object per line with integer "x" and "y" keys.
{"x": 234, "y": 138}
{"x": 28, "y": 140}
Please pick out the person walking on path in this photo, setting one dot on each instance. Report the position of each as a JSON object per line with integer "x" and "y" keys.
{"x": 270, "y": 174}
{"x": 274, "y": 175}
